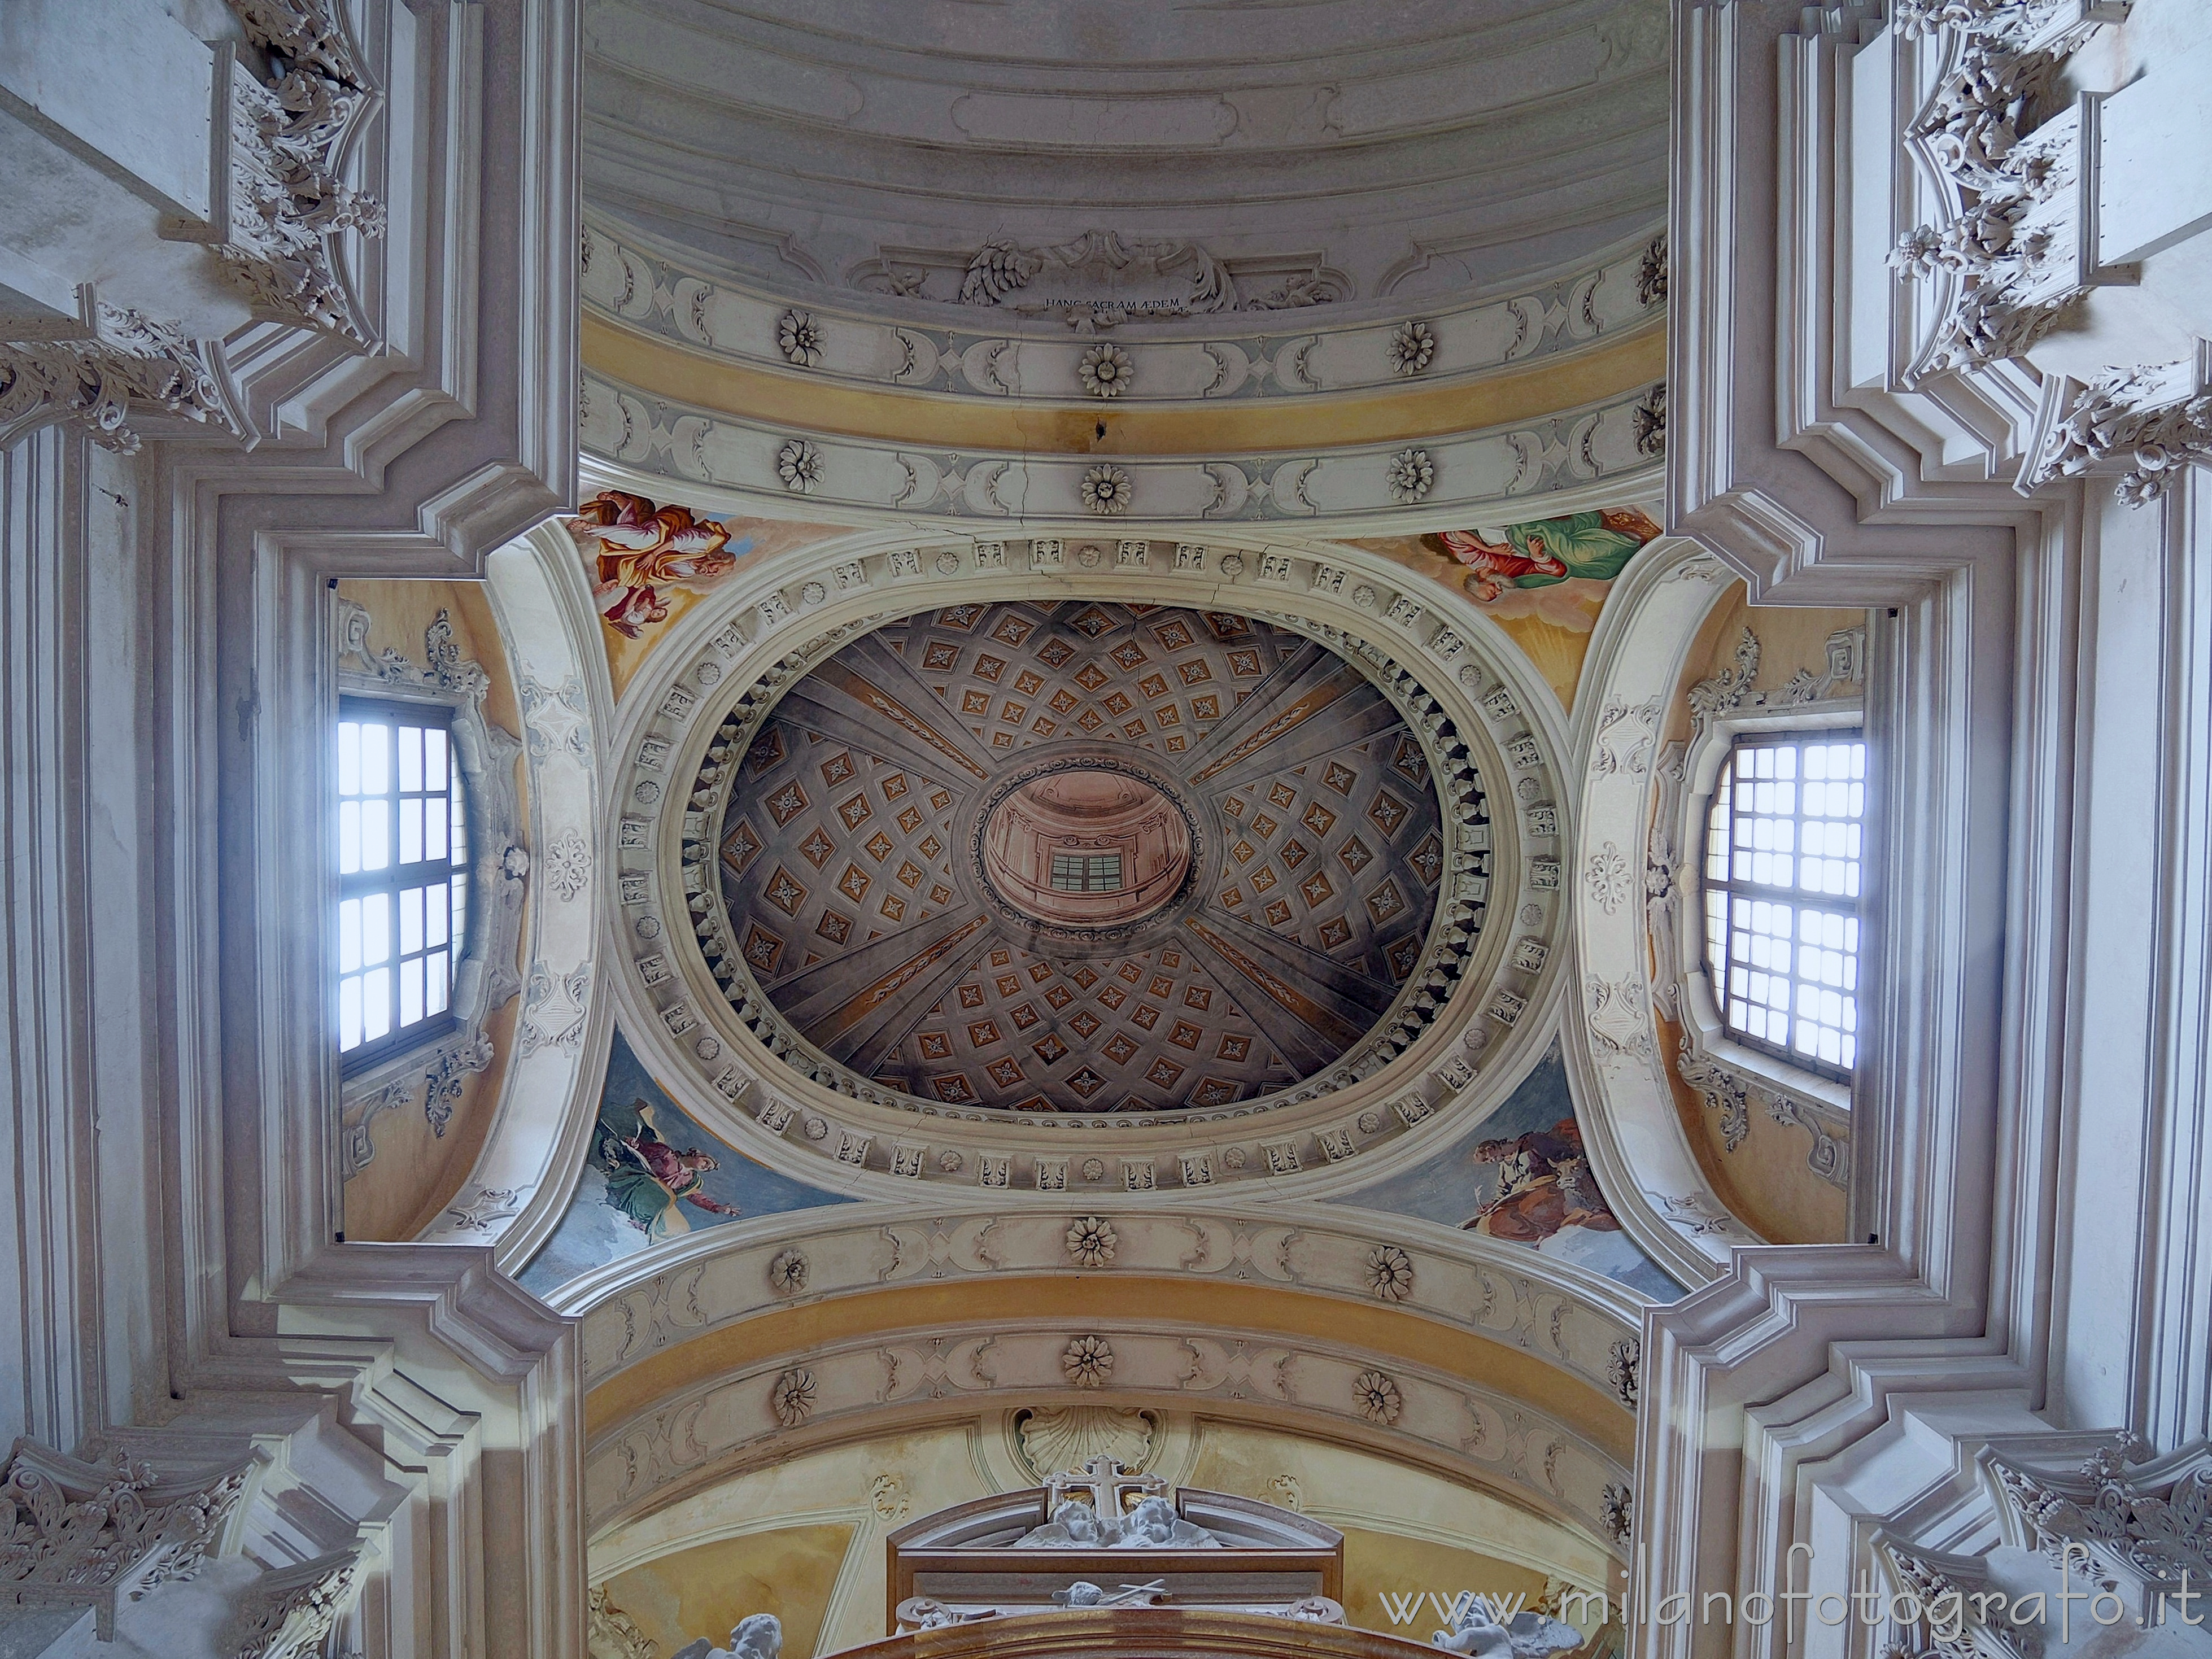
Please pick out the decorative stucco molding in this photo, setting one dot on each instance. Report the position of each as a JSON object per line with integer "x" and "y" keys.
{"x": 611, "y": 1633}
{"x": 765, "y": 1409}
{"x": 1214, "y": 350}
{"x": 79, "y": 1534}
{"x": 1726, "y": 1077}
{"x": 489, "y": 977}
{"x": 2117, "y": 1515}
{"x": 126, "y": 358}
{"x": 2008, "y": 259}
{"x": 1486, "y": 475}
{"x": 289, "y": 1612}
{"x": 280, "y": 207}
{"x": 288, "y": 201}
{"x": 2152, "y": 421}
{"x": 1730, "y": 692}
{"x": 1728, "y": 1091}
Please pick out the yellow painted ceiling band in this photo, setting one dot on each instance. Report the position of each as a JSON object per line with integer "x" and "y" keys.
{"x": 915, "y": 419}
{"x": 1227, "y": 1308}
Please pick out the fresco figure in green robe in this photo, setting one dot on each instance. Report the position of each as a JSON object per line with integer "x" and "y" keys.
{"x": 648, "y": 1180}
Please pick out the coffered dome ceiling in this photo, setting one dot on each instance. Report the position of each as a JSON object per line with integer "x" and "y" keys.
{"x": 1225, "y": 155}
{"x": 1084, "y": 857}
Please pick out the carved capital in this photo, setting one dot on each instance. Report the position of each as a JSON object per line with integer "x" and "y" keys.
{"x": 288, "y": 1613}
{"x": 2155, "y": 419}
{"x": 128, "y": 359}
{"x": 2116, "y": 1515}
{"x": 288, "y": 141}
{"x": 80, "y": 1534}
{"x": 1943, "y": 1588}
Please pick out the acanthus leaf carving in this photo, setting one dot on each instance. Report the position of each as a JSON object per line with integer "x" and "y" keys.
{"x": 287, "y": 145}
{"x": 2157, "y": 419}
{"x": 2111, "y": 1517}
{"x": 2012, "y": 256}
{"x": 288, "y": 1613}
{"x": 128, "y": 359}
{"x": 1944, "y": 1587}
{"x": 75, "y": 1533}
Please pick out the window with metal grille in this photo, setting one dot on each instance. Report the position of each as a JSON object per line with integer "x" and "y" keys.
{"x": 1086, "y": 873}
{"x": 1783, "y": 849}
{"x": 403, "y": 855}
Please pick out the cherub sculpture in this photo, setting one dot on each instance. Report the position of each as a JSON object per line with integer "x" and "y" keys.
{"x": 757, "y": 1635}
{"x": 1481, "y": 1629}
{"x": 1074, "y": 1526}
{"x": 1154, "y": 1525}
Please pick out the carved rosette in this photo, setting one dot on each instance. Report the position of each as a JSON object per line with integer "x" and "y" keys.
{"x": 1091, "y": 1241}
{"x": 1088, "y": 1362}
{"x": 1391, "y": 1272}
{"x": 1377, "y": 1396}
{"x": 792, "y": 1397}
{"x": 1616, "y": 1513}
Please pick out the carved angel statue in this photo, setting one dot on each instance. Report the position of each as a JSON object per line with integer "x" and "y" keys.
{"x": 1482, "y": 1628}
{"x": 757, "y": 1636}
{"x": 1154, "y": 1525}
{"x": 1074, "y": 1526}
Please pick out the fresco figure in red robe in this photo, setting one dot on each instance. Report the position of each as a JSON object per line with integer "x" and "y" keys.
{"x": 1593, "y": 546}
{"x": 637, "y": 549}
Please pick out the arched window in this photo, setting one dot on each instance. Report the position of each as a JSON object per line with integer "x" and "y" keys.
{"x": 403, "y": 862}
{"x": 1783, "y": 876}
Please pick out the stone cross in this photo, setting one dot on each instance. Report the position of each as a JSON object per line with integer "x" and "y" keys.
{"x": 1108, "y": 1484}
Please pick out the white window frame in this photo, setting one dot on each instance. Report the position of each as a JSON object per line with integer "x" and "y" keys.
{"x": 1701, "y": 1012}
{"x": 433, "y": 1069}
{"x": 354, "y": 709}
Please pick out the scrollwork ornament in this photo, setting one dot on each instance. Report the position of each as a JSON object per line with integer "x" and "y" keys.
{"x": 2151, "y": 417}
{"x": 132, "y": 359}
{"x": 1624, "y": 1367}
{"x": 1607, "y": 877}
